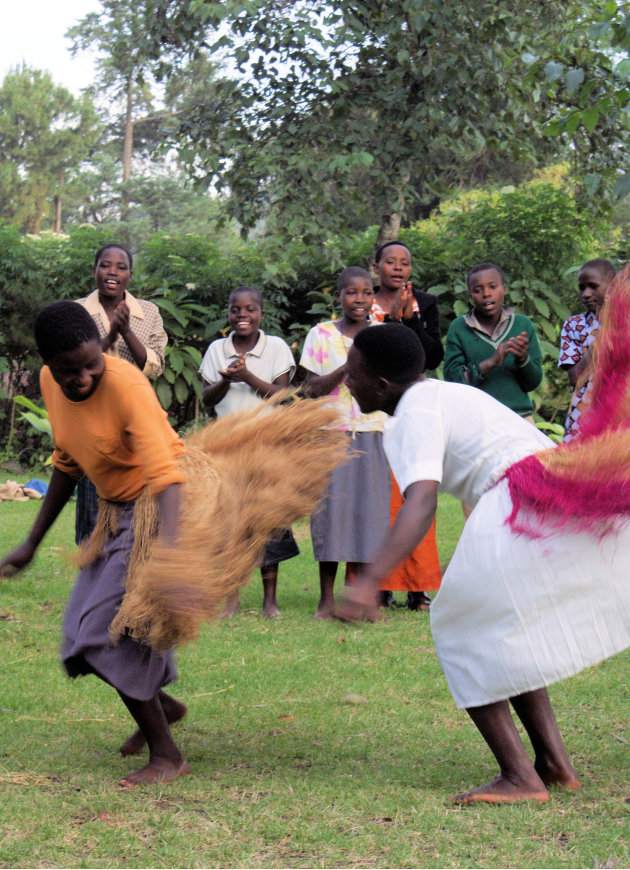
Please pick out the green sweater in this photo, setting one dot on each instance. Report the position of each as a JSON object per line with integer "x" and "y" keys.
{"x": 510, "y": 382}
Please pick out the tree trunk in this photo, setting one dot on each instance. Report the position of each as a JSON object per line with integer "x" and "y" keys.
{"x": 127, "y": 151}
{"x": 392, "y": 214}
{"x": 57, "y": 205}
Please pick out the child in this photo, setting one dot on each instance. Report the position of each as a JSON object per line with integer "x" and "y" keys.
{"x": 492, "y": 347}
{"x": 239, "y": 372}
{"x": 353, "y": 517}
{"x": 578, "y": 334}
{"x": 129, "y": 328}
{"x": 108, "y": 423}
{"x": 397, "y": 302}
{"x": 517, "y": 611}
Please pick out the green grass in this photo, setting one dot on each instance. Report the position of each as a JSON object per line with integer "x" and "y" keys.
{"x": 285, "y": 773}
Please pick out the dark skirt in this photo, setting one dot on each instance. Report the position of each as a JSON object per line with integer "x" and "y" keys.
{"x": 353, "y": 518}
{"x": 134, "y": 669}
{"x": 279, "y": 548}
{"x": 87, "y": 509}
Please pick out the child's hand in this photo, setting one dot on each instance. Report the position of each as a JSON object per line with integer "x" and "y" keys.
{"x": 236, "y": 371}
{"x": 17, "y": 559}
{"x": 358, "y": 603}
{"x": 120, "y": 320}
{"x": 518, "y": 345}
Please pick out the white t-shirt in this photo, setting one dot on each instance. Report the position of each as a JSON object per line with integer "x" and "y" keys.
{"x": 268, "y": 359}
{"x": 457, "y": 435}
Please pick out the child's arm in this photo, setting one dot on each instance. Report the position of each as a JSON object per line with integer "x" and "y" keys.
{"x": 528, "y": 370}
{"x": 518, "y": 345}
{"x": 238, "y": 371}
{"x": 321, "y": 385}
{"x": 59, "y": 491}
{"x": 119, "y": 324}
{"x": 411, "y": 525}
{"x": 211, "y": 394}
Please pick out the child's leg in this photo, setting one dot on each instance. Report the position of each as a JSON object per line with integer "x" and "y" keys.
{"x": 165, "y": 760}
{"x": 552, "y": 762}
{"x": 518, "y": 779}
{"x": 269, "y": 576}
{"x": 231, "y": 606}
{"x": 326, "y": 606}
{"x": 174, "y": 710}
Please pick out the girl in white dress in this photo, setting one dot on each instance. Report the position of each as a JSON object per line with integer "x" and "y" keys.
{"x": 516, "y": 611}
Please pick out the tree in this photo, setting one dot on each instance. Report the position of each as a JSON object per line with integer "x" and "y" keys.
{"x": 588, "y": 83}
{"x": 380, "y": 100}
{"x": 134, "y": 41}
{"x": 45, "y": 135}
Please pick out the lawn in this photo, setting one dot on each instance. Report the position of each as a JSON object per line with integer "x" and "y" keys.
{"x": 286, "y": 771}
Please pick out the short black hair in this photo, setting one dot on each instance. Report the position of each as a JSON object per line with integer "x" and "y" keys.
{"x": 245, "y": 288}
{"x": 63, "y": 326}
{"x": 350, "y": 273}
{"x": 481, "y": 267}
{"x": 604, "y": 266}
{"x": 379, "y": 252}
{"x": 392, "y": 351}
{"x": 100, "y": 251}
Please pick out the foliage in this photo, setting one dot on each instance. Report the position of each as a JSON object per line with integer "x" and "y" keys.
{"x": 364, "y": 109}
{"x": 36, "y": 415}
{"x": 124, "y": 35}
{"x": 588, "y": 82}
{"x": 536, "y": 233}
{"x": 45, "y": 134}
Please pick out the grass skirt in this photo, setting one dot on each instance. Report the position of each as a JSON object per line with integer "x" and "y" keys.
{"x": 247, "y": 476}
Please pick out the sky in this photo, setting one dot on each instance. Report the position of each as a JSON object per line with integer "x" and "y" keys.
{"x": 33, "y": 32}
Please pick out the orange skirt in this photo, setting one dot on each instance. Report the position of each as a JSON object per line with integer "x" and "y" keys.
{"x": 420, "y": 572}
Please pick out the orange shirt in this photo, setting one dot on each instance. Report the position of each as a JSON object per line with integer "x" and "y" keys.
{"x": 119, "y": 436}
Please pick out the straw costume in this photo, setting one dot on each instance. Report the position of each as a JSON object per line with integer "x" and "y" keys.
{"x": 237, "y": 493}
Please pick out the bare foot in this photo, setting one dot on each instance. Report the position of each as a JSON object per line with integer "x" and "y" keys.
{"x": 174, "y": 710}
{"x": 231, "y": 607}
{"x": 551, "y": 774}
{"x": 270, "y": 611}
{"x": 160, "y": 770}
{"x": 324, "y": 613}
{"x": 501, "y": 790}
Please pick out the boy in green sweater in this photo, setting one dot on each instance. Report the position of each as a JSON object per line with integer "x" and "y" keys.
{"x": 492, "y": 347}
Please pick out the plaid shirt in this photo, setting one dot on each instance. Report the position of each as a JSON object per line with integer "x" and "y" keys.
{"x": 146, "y": 324}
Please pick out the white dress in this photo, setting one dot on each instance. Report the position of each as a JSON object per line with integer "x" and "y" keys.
{"x": 513, "y": 614}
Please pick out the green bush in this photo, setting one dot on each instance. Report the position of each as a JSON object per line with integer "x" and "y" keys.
{"x": 536, "y": 233}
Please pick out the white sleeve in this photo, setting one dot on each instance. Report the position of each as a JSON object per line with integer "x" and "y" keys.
{"x": 209, "y": 368}
{"x": 283, "y": 361}
{"x": 414, "y": 445}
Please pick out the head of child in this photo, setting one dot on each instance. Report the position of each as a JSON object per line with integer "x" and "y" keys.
{"x": 486, "y": 285}
{"x": 382, "y": 363}
{"x": 594, "y": 279}
{"x": 392, "y": 263}
{"x": 113, "y": 268}
{"x": 355, "y": 293}
{"x": 68, "y": 341}
{"x": 245, "y": 311}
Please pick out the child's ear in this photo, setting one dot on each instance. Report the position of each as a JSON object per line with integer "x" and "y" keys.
{"x": 382, "y": 386}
